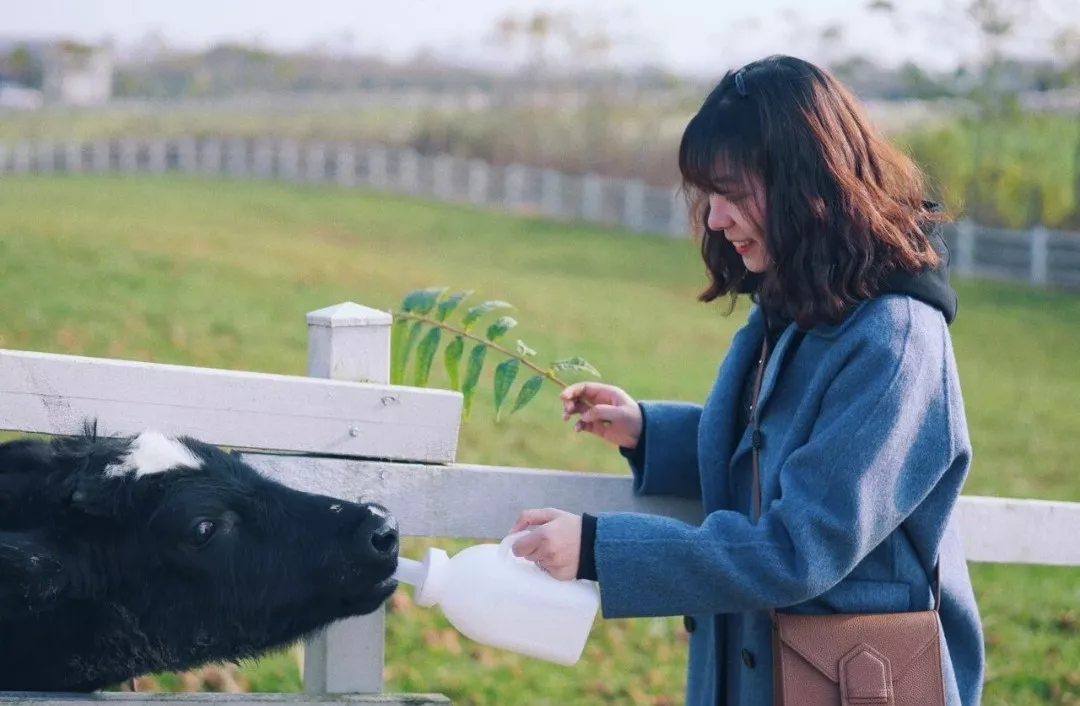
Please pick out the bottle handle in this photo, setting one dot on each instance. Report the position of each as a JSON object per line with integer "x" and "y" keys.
{"x": 508, "y": 542}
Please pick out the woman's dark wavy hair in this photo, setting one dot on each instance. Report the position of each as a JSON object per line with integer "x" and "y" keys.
{"x": 842, "y": 208}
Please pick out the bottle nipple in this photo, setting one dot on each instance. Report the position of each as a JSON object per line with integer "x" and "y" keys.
{"x": 410, "y": 571}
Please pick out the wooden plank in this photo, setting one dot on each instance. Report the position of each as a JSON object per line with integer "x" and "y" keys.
{"x": 1020, "y": 531}
{"x": 483, "y": 501}
{"x": 196, "y": 698}
{"x": 54, "y": 393}
{"x": 463, "y": 500}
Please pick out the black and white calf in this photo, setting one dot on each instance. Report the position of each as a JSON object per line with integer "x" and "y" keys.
{"x": 125, "y": 556}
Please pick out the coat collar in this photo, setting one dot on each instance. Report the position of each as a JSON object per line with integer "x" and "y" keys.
{"x": 743, "y": 355}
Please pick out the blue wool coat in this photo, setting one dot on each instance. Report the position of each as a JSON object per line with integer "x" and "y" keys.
{"x": 864, "y": 430}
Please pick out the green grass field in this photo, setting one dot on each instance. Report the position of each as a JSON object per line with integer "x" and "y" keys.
{"x": 221, "y": 274}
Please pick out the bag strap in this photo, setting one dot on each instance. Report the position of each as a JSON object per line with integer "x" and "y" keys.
{"x": 755, "y": 443}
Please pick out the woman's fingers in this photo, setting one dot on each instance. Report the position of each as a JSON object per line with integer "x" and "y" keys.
{"x": 591, "y": 392}
{"x": 528, "y": 518}
{"x": 600, "y": 413}
{"x": 582, "y": 396}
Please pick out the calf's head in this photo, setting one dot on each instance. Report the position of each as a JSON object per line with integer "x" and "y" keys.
{"x": 124, "y": 556}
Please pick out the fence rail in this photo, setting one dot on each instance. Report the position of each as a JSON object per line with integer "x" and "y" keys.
{"x": 349, "y": 346}
{"x": 1040, "y": 256}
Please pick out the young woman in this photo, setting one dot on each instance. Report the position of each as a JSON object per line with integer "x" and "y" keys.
{"x": 863, "y": 442}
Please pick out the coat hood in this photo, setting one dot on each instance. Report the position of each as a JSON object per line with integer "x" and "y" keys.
{"x": 929, "y": 285}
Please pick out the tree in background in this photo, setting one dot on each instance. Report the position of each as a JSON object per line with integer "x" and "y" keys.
{"x": 23, "y": 67}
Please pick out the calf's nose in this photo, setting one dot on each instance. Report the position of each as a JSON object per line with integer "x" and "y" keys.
{"x": 385, "y": 538}
{"x": 379, "y": 536}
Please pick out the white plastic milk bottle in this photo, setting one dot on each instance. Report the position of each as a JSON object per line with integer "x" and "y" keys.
{"x": 501, "y": 600}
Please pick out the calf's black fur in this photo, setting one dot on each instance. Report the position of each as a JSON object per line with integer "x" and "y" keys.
{"x": 125, "y": 556}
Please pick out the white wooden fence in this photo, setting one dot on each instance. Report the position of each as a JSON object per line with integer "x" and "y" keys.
{"x": 1041, "y": 257}
{"x": 393, "y": 444}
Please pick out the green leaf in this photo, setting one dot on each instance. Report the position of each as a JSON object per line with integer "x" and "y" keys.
{"x": 527, "y": 392}
{"x": 473, "y": 314}
{"x": 524, "y": 350}
{"x": 505, "y": 372}
{"x": 472, "y": 375}
{"x": 397, "y": 350}
{"x": 406, "y": 349}
{"x": 574, "y": 363}
{"x": 447, "y": 305}
{"x": 421, "y": 301}
{"x": 425, "y": 354}
{"x": 499, "y": 327}
{"x": 452, "y": 359}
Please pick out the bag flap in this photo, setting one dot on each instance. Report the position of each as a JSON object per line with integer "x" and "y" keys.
{"x": 824, "y": 640}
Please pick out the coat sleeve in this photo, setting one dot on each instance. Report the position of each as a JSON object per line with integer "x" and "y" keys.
{"x": 883, "y": 438}
{"x": 665, "y": 461}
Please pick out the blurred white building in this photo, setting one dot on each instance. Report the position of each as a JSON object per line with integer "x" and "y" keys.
{"x": 60, "y": 72}
{"x": 77, "y": 74}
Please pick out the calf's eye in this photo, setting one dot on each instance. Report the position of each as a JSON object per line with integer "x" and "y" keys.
{"x": 202, "y": 532}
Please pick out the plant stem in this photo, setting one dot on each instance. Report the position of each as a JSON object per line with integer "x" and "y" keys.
{"x": 490, "y": 344}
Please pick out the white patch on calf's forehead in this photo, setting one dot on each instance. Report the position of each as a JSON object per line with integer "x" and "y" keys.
{"x": 152, "y": 452}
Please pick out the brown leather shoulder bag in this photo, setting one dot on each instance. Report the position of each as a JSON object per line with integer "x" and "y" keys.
{"x": 853, "y": 659}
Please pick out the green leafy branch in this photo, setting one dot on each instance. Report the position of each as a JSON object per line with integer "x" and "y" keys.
{"x": 430, "y": 309}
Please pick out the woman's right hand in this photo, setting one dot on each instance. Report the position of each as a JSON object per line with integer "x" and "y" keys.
{"x": 605, "y": 410}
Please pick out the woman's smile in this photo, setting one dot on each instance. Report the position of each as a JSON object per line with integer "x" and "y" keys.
{"x": 743, "y": 246}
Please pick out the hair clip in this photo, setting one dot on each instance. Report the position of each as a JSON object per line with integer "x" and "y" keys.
{"x": 740, "y": 83}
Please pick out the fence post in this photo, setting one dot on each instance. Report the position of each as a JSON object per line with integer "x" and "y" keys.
{"x": 129, "y": 155}
{"x": 592, "y": 198}
{"x": 288, "y": 160}
{"x": 236, "y": 157}
{"x": 23, "y": 158}
{"x": 514, "y": 186}
{"x": 210, "y": 157}
{"x": 378, "y": 169}
{"x": 159, "y": 156}
{"x": 1040, "y": 240}
{"x": 443, "y": 177}
{"x": 73, "y": 156}
{"x": 478, "y": 182}
{"x": 408, "y": 176}
{"x": 262, "y": 161}
{"x": 101, "y": 156}
{"x": 551, "y": 193}
{"x": 187, "y": 155}
{"x": 345, "y": 165}
{"x": 965, "y": 248}
{"x": 315, "y": 162}
{"x": 633, "y": 213}
{"x": 348, "y": 342}
{"x": 46, "y": 156}
{"x": 678, "y": 216}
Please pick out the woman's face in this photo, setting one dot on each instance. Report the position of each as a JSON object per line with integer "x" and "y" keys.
{"x": 738, "y": 218}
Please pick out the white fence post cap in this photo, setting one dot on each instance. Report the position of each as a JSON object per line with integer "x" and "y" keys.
{"x": 349, "y": 314}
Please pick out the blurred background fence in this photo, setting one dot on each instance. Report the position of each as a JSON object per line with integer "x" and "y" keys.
{"x": 1040, "y": 255}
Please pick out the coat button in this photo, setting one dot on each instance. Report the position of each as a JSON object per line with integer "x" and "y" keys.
{"x": 748, "y": 658}
{"x": 689, "y": 623}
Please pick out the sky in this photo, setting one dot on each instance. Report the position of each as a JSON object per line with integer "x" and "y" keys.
{"x": 694, "y": 36}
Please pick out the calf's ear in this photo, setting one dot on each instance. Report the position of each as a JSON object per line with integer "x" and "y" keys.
{"x": 97, "y": 496}
{"x": 30, "y": 574}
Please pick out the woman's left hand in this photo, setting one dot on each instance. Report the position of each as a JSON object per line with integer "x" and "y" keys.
{"x": 554, "y": 544}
